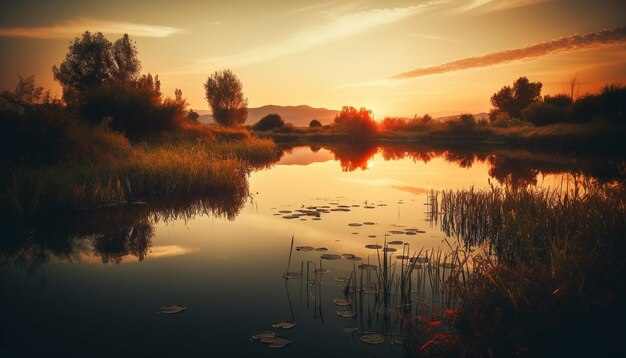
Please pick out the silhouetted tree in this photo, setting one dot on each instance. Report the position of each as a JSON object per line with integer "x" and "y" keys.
{"x": 356, "y": 122}
{"x": 271, "y": 121}
{"x": 93, "y": 60}
{"x": 514, "y": 100}
{"x": 315, "y": 124}
{"x": 463, "y": 123}
{"x": 225, "y": 97}
{"x": 193, "y": 116}
{"x": 559, "y": 100}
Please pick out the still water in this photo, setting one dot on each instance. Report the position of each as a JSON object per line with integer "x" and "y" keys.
{"x": 92, "y": 287}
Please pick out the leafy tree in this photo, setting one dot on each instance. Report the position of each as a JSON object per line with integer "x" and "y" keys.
{"x": 512, "y": 100}
{"x": 127, "y": 65}
{"x": 225, "y": 97}
{"x": 356, "y": 122}
{"x": 315, "y": 124}
{"x": 92, "y": 61}
{"x": 193, "y": 116}
{"x": 463, "y": 123}
{"x": 271, "y": 121}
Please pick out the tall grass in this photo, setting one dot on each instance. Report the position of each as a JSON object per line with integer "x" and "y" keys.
{"x": 148, "y": 172}
{"x": 545, "y": 268}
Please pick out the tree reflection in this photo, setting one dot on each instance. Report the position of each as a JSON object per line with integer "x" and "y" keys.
{"x": 111, "y": 234}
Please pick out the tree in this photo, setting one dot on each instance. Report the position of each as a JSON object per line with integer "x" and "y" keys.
{"x": 193, "y": 116}
{"x": 225, "y": 97}
{"x": 92, "y": 61}
{"x": 356, "y": 122}
{"x": 271, "y": 121}
{"x": 514, "y": 100}
{"x": 315, "y": 123}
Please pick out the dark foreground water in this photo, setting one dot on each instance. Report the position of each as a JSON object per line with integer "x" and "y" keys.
{"x": 92, "y": 285}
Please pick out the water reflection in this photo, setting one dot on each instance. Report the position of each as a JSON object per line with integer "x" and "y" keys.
{"x": 111, "y": 234}
{"x": 512, "y": 167}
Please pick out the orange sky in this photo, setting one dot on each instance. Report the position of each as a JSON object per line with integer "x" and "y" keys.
{"x": 335, "y": 53}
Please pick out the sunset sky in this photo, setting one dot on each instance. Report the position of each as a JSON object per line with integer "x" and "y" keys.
{"x": 397, "y": 58}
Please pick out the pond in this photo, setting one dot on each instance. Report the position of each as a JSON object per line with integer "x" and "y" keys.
{"x": 93, "y": 285}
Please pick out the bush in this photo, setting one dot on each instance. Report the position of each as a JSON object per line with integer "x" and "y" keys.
{"x": 543, "y": 114}
{"x": 134, "y": 111}
{"x": 269, "y": 122}
{"x": 315, "y": 124}
{"x": 355, "y": 122}
{"x": 464, "y": 123}
{"x": 503, "y": 120}
{"x": 559, "y": 100}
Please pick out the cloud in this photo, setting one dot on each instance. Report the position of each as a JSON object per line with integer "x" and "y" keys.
{"x": 603, "y": 38}
{"x": 483, "y": 6}
{"x": 337, "y": 28}
{"x": 75, "y": 27}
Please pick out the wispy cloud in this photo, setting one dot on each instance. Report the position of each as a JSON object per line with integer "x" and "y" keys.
{"x": 75, "y": 27}
{"x": 604, "y": 38}
{"x": 338, "y": 27}
{"x": 435, "y": 37}
{"x": 482, "y": 6}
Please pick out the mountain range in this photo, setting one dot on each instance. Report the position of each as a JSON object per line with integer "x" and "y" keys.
{"x": 301, "y": 116}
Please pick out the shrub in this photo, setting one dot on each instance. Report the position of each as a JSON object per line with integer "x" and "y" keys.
{"x": 315, "y": 124}
{"x": 355, "y": 122}
{"x": 559, "y": 100}
{"x": 269, "y": 122}
{"x": 542, "y": 114}
{"x": 464, "y": 123}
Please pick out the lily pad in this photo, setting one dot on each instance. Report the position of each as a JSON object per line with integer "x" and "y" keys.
{"x": 355, "y": 224}
{"x": 304, "y": 248}
{"x": 368, "y": 267}
{"x": 317, "y": 219}
{"x": 397, "y": 242}
{"x": 279, "y": 342}
{"x": 341, "y": 279}
{"x": 354, "y": 258}
{"x": 291, "y": 275}
{"x": 373, "y": 247}
{"x": 390, "y": 249}
{"x": 402, "y": 257}
{"x": 396, "y": 232}
{"x": 372, "y": 338}
{"x": 330, "y": 256}
{"x": 342, "y": 302}
{"x": 410, "y": 233}
{"x": 371, "y": 236}
{"x": 172, "y": 309}
{"x": 263, "y": 335}
{"x": 284, "y": 211}
{"x": 346, "y": 314}
{"x": 284, "y": 325}
{"x": 347, "y": 256}
{"x": 321, "y": 249}
{"x": 369, "y": 223}
{"x": 369, "y": 207}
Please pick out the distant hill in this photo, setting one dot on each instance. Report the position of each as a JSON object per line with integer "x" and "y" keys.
{"x": 300, "y": 116}
{"x": 477, "y": 116}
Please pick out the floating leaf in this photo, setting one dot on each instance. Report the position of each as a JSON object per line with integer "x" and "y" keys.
{"x": 346, "y": 314}
{"x": 371, "y": 236}
{"x": 330, "y": 257}
{"x": 396, "y": 232}
{"x": 347, "y": 256}
{"x": 317, "y": 219}
{"x": 284, "y": 211}
{"x": 291, "y": 216}
{"x": 341, "y": 279}
{"x": 368, "y": 267}
{"x": 279, "y": 342}
{"x": 354, "y": 258}
{"x": 291, "y": 275}
{"x": 410, "y": 233}
{"x": 172, "y": 309}
{"x": 372, "y": 338}
{"x": 263, "y": 335}
{"x": 355, "y": 224}
{"x": 373, "y": 247}
{"x": 343, "y": 206}
{"x": 284, "y": 325}
{"x": 369, "y": 223}
{"x": 369, "y": 207}
{"x": 342, "y": 302}
{"x": 304, "y": 248}
{"x": 390, "y": 249}
{"x": 397, "y": 242}
{"x": 402, "y": 257}
{"x": 321, "y": 249}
